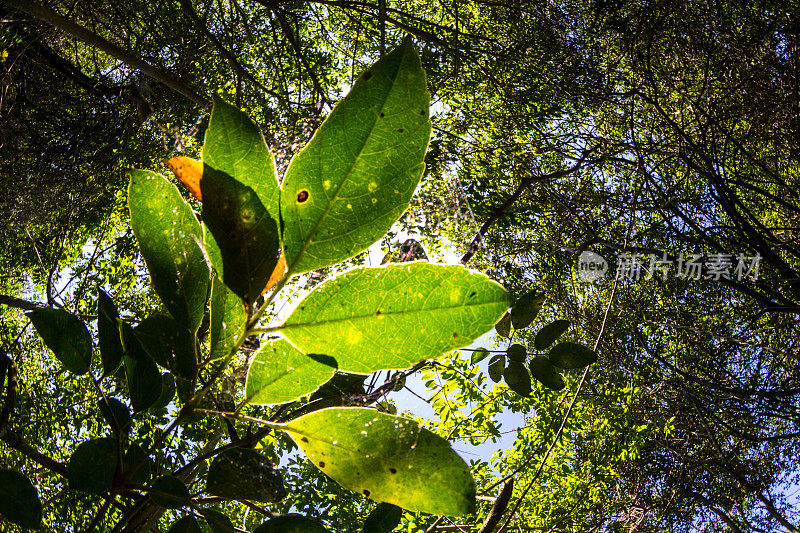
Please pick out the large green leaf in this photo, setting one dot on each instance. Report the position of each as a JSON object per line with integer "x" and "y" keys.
{"x": 217, "y": 522}
{"x": 168, "y": 344}
{"x": 525, "y": 309}
{"x": 281, "y": 373}
{"x": 355, "y": 177}
{"x": 169, "y": 492}
{"x": 19, "y": 500}
{"x": 245, "y": 232}
{"x": 66, "y": 335}
{"x": 544, "y": 371}
{"x": 243, "y": 474}
{"x": 115, "y": 413}
{"x": 517, "y": 378}
{"x": 170, "y": 238}
{"x": 92, "y": 465}
{"x": 383, "y": 519}
{"x": 144, "y": 379}
{"x": 136, "y": 458}
{"x": 386, "y": 458}
{"x": 292, "y": 523}
{"x": 234, "y": 145}
{"x": 187, "y": 524}
{"x": 393, "y": 316}
{"x": 228, "y": 319}
{"x": 569, "y": 355}
{"x": 108, "y": 333}
{"x": 548, "y": 334}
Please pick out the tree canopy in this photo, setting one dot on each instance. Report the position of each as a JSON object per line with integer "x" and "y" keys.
{"x": 231, "y": 263}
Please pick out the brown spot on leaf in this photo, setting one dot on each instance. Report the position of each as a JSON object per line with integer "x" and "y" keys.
{"x": 304, "y": 439}
{"x": 322, "y": 464}
{"x": 302, "y": 196}
{"x": 366, "y": 493}
{"x": 393, "y": 470}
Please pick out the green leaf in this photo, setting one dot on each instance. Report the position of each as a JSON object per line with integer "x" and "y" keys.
{"x": 340, "y": 387}
{"x": 548, "y": 334}
{"x": 292, "y": 523}
{"x": 66, "y": 335}
{"x": 568, "y": 355}
{"x": 19, "y": 500}
{"x": 243, "y": 474}
{"x": 136, "y": 458}
{"x": 383, "y": 519}
{"x": 218, "y": 522}
{"x": 503, "y": 327}
{"x": 517, "y": 352}
{"x": 108, "y": 333}
{"x": 281, "y": 373}
{"x": 92, "y": 465}
{"x": 168, "y": 390}
{"x": 157, "y": 334}
{"x": 525, "y": 309}
{"x": 517, "y": 378}
{"x": 234, "y": 145}
{"x": 386, "y": 458}
{"x": 169, "y": 492}
{"x": 227, "y": 319}
{"x": 479, "y": 355}
{"x": 144, "y": 379}
{"x": 355, "y": 177}
{"x": 170, "y": 238}
{"x": 497, "y": 365}
{"x": 187, "y": 524}
{"x": 393, "y": 316}
{"x": 546, "y": 373}
{"x": 115, "y": 413}
{"x": 245, "y": 232}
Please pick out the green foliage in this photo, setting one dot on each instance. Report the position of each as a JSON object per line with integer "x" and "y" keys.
{"x": 66, "y": 335}
{"x": 108, "y": 338}
{"x": 383, "y": 518}
{"x": 281, "y": 373}
{"x": 386, "y": 458}
{"x": 550, "y": 333}
{"x": 142, "y": 375}
{"x": 170, "y": 239}
{"x": 290, "y": 524}
{"x": 92, "y": 465}
{"x": 568, "y": 355}
{"x": 241, "y": 474}
{"x": 357, "y": 174}
{"x": 544, "y": 371}
{"x": 169, "y": 492}
{"x": 525, "y": 309}
{"x": 393, "y": 316}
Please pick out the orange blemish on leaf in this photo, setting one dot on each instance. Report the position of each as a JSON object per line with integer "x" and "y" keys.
{"x": 189, "y": 172}
{"x": 280, "y": 268}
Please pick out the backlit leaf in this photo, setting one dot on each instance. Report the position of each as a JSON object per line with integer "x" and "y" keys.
{"x": 386, "y": 458}
{"x": 243, "y": 474}
{"x": 526, "y": 309}
{"x": 281, "y": 373}
{"x": 92, "y": 465}
{"x": 245, "y": 232}
{"x": 189, "y": 172}
{"x": 136, "y": 464}
{"x": 187, "y": 524}
{"x": 144, "y": 379}
{"x": 108, "y": 333}
{"x": 479, "y": 355}
{"x": 66, "y": 335}
{"x": 228, "y": 319}
{"x": 393, "y": 316}
{"x": 546, "y": 373}
{"x": 169, "y": 492}
{"x": 503, "y": 327}
{"x": 355, "y": 177}
{"x": 497, "y": 365}
{"x": 548, "y": 334}
{"x": 383, "y": 519}
{"x": 170, "y": 239}
{"x": 234, "y": 145}
{"x": 19, "y": 499}
{"x": 569, "y": 355}
{"x": 517, "y": 352}
{"x": 218, "y": 522}
{"x": 517, "y": 378}
{"x": 115, "y": 413}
